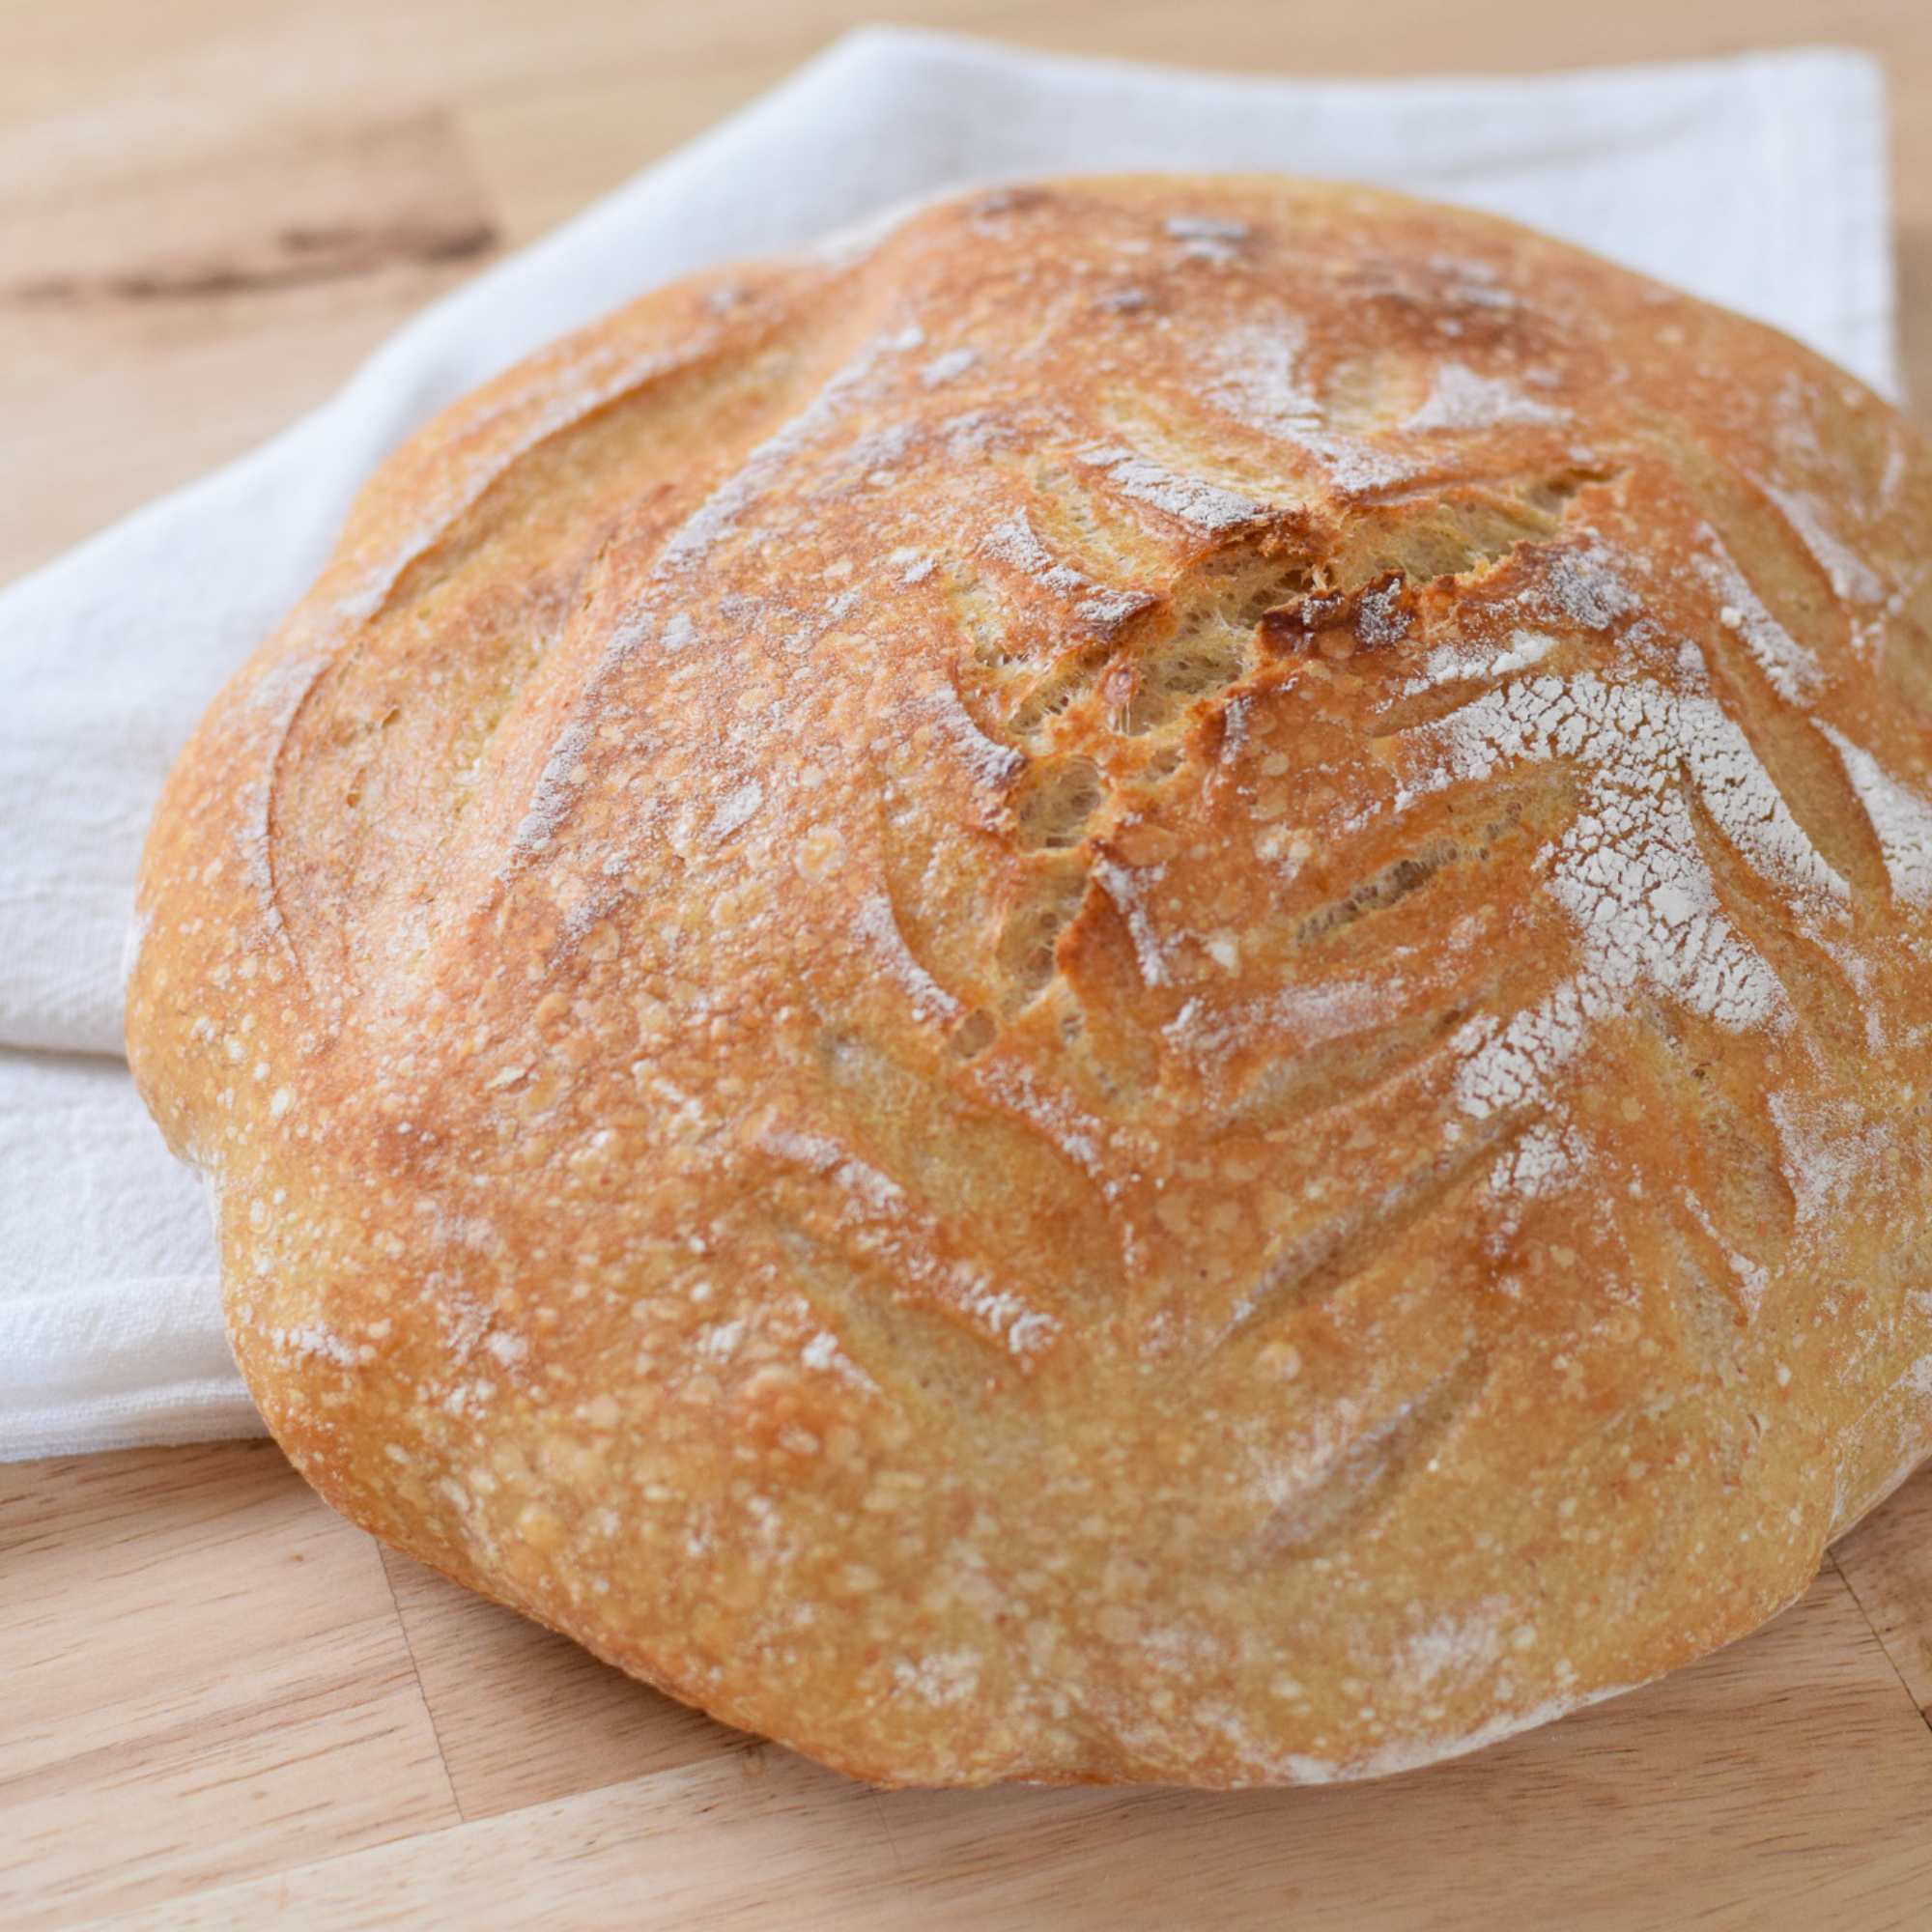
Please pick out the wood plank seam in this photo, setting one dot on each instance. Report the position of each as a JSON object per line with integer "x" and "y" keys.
{"x": 1878, "y": 1636}
{"x": 883, "y": 1817}
{"x": 422, "y": 1691}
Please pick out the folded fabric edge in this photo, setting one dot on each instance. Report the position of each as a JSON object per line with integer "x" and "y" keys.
{"x": 887, "y": 35}
{"x": 210, "y": 1409}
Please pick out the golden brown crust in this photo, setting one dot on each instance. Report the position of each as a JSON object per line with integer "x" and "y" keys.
{"x": 1123, "y": 990}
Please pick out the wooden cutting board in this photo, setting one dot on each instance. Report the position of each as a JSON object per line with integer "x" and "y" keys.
{"x": 226, "y": 1708}
{"x": 222, "y": 1706}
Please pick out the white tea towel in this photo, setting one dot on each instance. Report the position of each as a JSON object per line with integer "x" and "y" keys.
{"x": 1757, "y": 182}
{"x": 108, "y": 1322}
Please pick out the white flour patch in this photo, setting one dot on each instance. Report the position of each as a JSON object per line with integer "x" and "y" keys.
{"x": 1257, "y": 382}
{"x": 1507, "y": 1066}
{"x": 1455, "y": 1648}
{"x": 990, "y": 762}
{"x": 1478, "y": 283}
{"x": 1828, "y": 1148}
{"x": 1750, "y": 809}
{"x": 821, "y": 1351}
{"x": 556, "y": 788}
{"x": 508, "y": 1349}
{"x": 1583, "y": 588}
{"x": 1901, "y": 819}
{"x": 1525, "y": 648}
{"x": 1791, "y": 669}
{"x": 931, "y": 1002}
{"x": 1382, "y": 621}
{"x": 885, "y": 1222}
{"x": 1302, "y": 1016}
{"x": 878, "y": 1191}
{"x": 1025, "y": 1330}
{"x": 1109, "y": 607}
{"x": 1017, "y": 542}
{"x": 1456, "y": 663}
{"x": 1858, "y": 970}
{"x": 1123, "y": 886}
{"x": 1205, "y": 227}
{"x": 734, "y": 811}
{"x": 813, "y": 1151}
{"x": 1629, "y": 869}
{"x": 139, "y": 925}
{"x": 946, "y": 1678}
{"x": 1193, "y": 500}
{"x": 1751, "y": 1277}
{"x": 1853, "y": 579}
{"x": 1458, "y": 398}
{"x": 1203, "y": 238}
{"x": 875, "y": 453}
{"x": 944, "y": 368}
{"x": 1075, "y": 1133}
{"x": 1547, "y": 1160}
{"x": 312, "y": 1339}
{"x": 719, "y": 1339}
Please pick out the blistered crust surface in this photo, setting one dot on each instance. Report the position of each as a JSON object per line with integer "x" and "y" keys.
{"x": 1128, "y": 988}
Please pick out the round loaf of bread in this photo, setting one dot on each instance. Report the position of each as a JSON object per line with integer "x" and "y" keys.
{"x": 1130, "y": 984}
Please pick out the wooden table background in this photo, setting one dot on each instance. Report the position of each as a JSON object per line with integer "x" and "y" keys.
{"x": 219, "y": 1705}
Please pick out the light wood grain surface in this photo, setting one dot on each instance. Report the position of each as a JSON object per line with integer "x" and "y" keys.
{"x": 222, "y": 1706}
